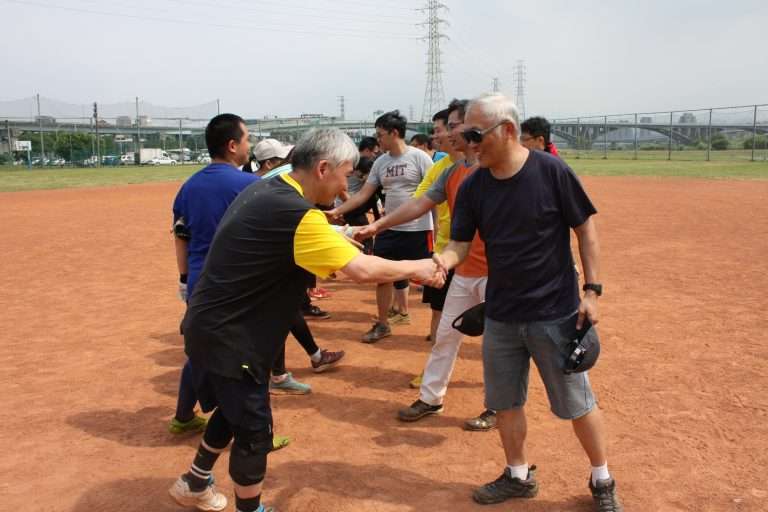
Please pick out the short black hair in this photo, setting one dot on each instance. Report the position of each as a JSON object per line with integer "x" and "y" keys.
{"x": 537, "y": 127}
{"x": 422, "y": 140}
{"x": 220, "y": 130}
{"x": 369, "y": 143}
{"x": 364, "y": 165}
{"x": 457, "y": 105}
{"x": 441, "y": 116}
{"x": 392, "y": 121}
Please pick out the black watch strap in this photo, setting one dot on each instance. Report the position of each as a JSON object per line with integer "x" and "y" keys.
{"x": 595, "y": 287}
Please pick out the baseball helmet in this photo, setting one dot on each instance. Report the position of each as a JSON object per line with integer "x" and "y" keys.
{"x": 472, "y": 321}
{"x": 584, "y": 349}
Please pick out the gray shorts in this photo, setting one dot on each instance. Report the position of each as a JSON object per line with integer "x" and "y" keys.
{"x": 507, "y": 350}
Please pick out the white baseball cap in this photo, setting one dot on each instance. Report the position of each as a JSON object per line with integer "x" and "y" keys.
{"x": 270, "y": 148}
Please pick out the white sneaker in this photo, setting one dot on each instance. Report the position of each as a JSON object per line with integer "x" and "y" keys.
{"x": 207, "y": 499}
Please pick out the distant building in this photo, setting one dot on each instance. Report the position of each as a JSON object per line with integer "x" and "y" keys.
{"x": 646, "y": 120}
{"x": 145, "y": 121}
{"x": 45, "y": 120}
{"x": 123, "y": 122}
{"x": 687, "y": 118}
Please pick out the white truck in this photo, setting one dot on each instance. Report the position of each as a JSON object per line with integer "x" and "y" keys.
{"x": 147, "y": 155}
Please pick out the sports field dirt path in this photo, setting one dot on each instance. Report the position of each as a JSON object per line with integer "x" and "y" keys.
{"x": 90, "y": 360}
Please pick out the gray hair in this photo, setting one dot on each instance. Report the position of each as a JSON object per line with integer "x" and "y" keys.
{"x": 324, "y": 144}
{"x": 498, "y": 108}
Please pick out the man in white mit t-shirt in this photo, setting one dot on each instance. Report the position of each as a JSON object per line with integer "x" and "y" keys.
{"x": 399, "y": 171}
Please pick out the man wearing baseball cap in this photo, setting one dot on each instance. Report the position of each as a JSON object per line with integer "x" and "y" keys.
{"x": 270, "y": 154}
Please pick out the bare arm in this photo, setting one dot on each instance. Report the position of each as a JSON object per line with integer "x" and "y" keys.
{"x": 356, "y": 201}
{"x": 589, "y": 252}
{"x": 412, "y": 209}
{"x": 372, "y": 269}
{"x": 453, "y": 254}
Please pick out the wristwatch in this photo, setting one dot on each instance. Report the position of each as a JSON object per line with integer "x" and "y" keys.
{"x": 595, "y": 287}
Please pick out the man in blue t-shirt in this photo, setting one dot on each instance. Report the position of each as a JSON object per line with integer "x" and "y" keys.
{"x": 524, "y": 204}
{"x": 199, "y": 206}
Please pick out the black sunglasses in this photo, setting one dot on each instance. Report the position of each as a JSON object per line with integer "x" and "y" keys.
{"x": 475, "y": 135}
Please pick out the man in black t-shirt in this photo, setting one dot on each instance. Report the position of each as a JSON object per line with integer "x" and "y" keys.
{"x": 267, "y": 244}
{"x": 524, "y": 204}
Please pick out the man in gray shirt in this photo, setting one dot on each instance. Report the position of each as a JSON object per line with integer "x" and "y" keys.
{"x": 399, "y": 171}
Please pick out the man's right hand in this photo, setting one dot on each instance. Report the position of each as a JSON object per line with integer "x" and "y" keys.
{"x": 429, "y": 274}
{"x": 366, "y": 232}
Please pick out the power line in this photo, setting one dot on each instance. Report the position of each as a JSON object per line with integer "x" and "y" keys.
{"x": 371, "y": 19}
{"x": 208, "y": 24}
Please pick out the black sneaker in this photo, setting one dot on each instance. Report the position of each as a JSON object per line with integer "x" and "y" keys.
{"x": 604, "y": 494}
{"x": 418, "y": 410}
{"x": 506, "y": 487}
{"x": 315, "y": 312}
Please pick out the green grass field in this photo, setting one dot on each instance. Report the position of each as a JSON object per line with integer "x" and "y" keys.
{"x": 14, "y": 179}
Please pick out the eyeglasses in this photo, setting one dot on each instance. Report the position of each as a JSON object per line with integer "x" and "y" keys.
{"x": 475, "y": 135}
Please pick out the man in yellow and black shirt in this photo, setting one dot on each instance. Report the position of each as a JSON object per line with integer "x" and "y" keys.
{"x": 267, "y": 244}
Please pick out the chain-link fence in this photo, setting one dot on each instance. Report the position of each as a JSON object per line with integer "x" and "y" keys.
{"x": 716, "y": 134}
{"x": 42, "y": 132}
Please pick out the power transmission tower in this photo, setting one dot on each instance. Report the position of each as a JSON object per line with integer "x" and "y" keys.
{"x": 496, "y": 84}
{"x": 519, "y": 79}
{"x": 434, "y": 96}
{"x": 410, "y": 112}
{"x": 341, "y": 107}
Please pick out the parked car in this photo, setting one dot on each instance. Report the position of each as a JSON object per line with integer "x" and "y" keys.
{"x": 110, "y": 160}
{"x": 162, "y": 160}
{"x": 128, "y": 159}
{"x": 204, "y": 159}
{"x": 59, "y": 162}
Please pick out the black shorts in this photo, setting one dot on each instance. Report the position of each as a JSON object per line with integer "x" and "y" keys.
{"x": 403, "y": 245}
{"x": 435, "y": 297}
{"x": 244, "y": 402}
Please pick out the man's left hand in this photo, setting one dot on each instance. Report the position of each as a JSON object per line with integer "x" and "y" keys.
{"x": 587, "y": 309}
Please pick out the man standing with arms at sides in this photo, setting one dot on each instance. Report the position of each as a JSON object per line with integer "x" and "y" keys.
{"x": 399, "y": 172}
{"x": 197, "y": 209}
{"x": 536, "y": 133}
{"x": 524, "y": 204}
{"x": 268, "y": 243}
{"x": 467, "y": 287}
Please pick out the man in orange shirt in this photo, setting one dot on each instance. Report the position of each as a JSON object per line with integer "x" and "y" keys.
{"x": 466, "y": 290}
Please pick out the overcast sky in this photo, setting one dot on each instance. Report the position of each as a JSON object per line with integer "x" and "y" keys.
{"x": 287, "y": 57}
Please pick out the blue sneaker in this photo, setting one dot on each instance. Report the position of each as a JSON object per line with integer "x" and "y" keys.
{"x": 289, "y": 386}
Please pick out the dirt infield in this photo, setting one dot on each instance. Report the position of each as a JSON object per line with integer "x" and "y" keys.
{"x": 91, "y": 359}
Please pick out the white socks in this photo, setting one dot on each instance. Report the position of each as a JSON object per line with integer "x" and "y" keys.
{"x": 317, "y": 356}
{"x": 600, "y": 473}
{"x": 520, "y": 471}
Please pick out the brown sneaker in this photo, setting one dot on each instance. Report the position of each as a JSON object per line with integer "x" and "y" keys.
{"x": 486, "y": 421}
{"x": 604, "y": 494}
{"x": 506, "y": 487}
{"x": 327, "y": 360}
{"x": 418, "y": 410}
{"x": 377, "y": 332}
{"x": 400, "y": 319}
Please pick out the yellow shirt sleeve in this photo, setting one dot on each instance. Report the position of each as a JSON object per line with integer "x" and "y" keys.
{"x": 443, "y": 212}
{"x": 433, "y": 173}
{"x": 317, "y": 248}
